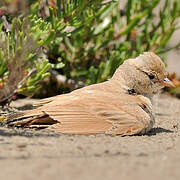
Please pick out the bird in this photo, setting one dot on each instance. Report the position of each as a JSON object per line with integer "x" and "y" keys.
{"x": 120, "y": 106}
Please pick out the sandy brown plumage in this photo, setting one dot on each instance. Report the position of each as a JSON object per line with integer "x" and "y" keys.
{"x": 119, "y": 106}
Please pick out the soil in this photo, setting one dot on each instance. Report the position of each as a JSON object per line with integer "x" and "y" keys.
{"x": 31, "y": 154}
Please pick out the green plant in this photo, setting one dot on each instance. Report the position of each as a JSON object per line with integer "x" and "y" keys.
{"x": 83, "y": 41}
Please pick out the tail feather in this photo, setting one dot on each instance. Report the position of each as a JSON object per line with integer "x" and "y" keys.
{"x": 24, "y": 114}
{"x": 29, "y": 118}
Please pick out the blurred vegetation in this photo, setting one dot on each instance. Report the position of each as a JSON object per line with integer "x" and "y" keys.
{"x": 53, "y": 46}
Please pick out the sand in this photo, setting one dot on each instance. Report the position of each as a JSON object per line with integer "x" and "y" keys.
{"x": 29, "y": 154}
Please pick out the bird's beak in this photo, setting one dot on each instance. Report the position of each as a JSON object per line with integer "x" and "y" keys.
{"x": 167, "y": 83}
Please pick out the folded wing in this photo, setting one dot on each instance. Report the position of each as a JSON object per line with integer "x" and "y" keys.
{"x": 93, "y": 113}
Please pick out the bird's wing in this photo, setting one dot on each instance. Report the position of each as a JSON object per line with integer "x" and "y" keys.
{"x": 100, "y": 114}
{"x": 90, "y": 112}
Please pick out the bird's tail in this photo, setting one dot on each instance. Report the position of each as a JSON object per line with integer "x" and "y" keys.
{"x": 29, "y": 118}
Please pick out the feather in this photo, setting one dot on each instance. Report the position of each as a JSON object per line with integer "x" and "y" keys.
{"x": 84, "y": 113}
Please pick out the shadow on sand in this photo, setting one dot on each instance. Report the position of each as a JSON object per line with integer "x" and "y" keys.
{"x": 4, "y": 131}
{"x": 158, "y": 130}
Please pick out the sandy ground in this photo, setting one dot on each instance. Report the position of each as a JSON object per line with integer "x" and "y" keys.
{"x": 30, "y": 154}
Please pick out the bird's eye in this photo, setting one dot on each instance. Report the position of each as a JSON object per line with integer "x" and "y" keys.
{"x": 151, "y": 76}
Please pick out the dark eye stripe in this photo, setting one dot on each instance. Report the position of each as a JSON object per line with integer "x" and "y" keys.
{"x": 151, "y": 76}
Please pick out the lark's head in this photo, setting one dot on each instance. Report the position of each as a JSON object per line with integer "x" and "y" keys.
{"x": 146, "y": 74}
